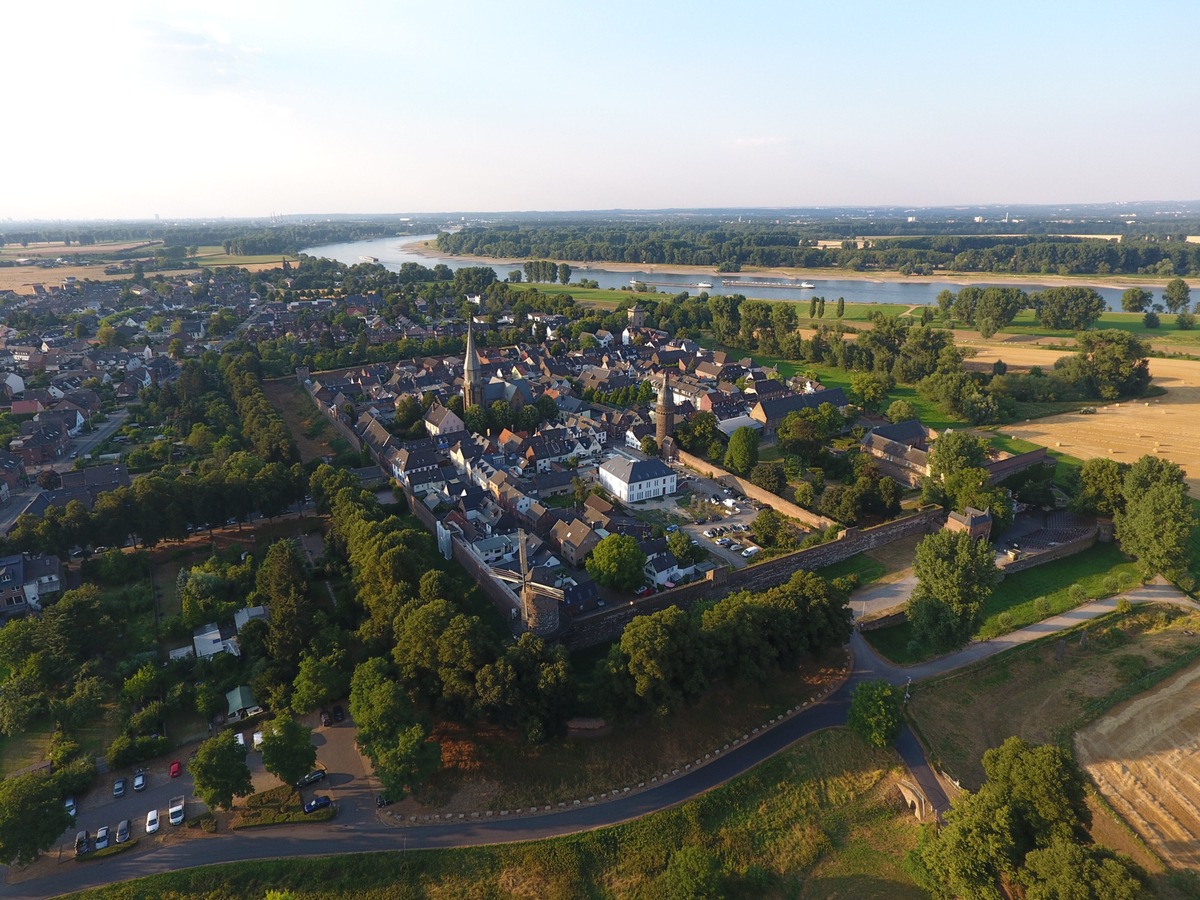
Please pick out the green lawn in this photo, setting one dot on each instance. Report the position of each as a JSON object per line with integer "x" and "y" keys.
{"x": 1026, "y": 597}
{"x": 867, "y": 569}
{"x": 823, "y": 819}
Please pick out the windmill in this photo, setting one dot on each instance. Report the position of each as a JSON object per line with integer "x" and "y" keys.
{"x": 539, "y": 601}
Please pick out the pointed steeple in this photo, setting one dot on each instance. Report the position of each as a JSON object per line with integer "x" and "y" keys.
{"x": 472, "y": 372}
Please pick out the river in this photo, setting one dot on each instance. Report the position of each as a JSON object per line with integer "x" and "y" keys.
{"x": 391, "y": 253}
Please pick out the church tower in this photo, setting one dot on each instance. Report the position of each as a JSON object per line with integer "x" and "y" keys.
{"x": 472, "y": 373}
{"x": 665, "y": 412}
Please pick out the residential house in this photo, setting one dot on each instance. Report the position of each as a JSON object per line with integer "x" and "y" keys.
{"x": 630, "y": 480}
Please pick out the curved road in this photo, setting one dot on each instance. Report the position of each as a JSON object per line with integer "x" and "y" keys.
{"x": 313, "y": 841}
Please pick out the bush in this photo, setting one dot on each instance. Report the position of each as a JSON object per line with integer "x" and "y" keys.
{"x": 1124, "y": 607}
{"x": 125, "y": 750}
{"x": 1077, "y": 594}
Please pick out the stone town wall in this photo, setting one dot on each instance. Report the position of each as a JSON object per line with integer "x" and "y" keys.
{"x": 608, "y": 625}
{"x": 743, "y": 485}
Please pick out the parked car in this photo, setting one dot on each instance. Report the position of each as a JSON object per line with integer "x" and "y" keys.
{"x": 326, "y": 721}
{"x": 139, "y": 780}
{"x": 123, "y": 829}
{"x": 119, "y": 788}
{"x": 311, "y": 778}
{"x": 69, "y": 803}
{"x": 710, "y": 533}
{"x": 102, "y": 837}
{"x": 83, "y": 843}
{"x": 750, "y": 551}
{"x": 319, "y": 802}
{"x": 176, "y": 768}
{"x": 383, "y": 800}
{"x": 152, "y": 821}
{"x": 339, "y": 714}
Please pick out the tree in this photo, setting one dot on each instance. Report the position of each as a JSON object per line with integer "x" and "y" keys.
{"x": 1185, "y": 321}
{"x": 742, "y": 453}
{"x": 1156, "y": 522}
{"x": 475, "y": 420}
{"x": 955, "y": 575}
{"x": 618, "y": 562}
{"x": 770, "y": 476}
{"x": 875, "y": 712}
{"x": 954, "y": 451}
{"x": 663, "y": 655}
{"x": 900, "y": 411}
{"x": 288, "y": 752}
{"x": 220, "y": 772}
{"x": 1101, "y": 487}
{"x": 515, "y": 276}
{"x": 1067, "y": 870}
{"x": 564, "y": 273}
{"x": 680, "y": 544}
{"x": 1110, "y": 364}
{"x": 1135, "y": 299}
{"x": 869, "y": 389}
{"x": 1032, "y": 799}
{"x": 320, "y": 680}
{"x": 841, "y": 307}
{"x": 282, "y": 580}
{"x": 768, "y": 526}
{"x": 32, "y": 817}
{"x": 649, "y": 446}
{"x": 800, "y": 436}
{"x": 1177, "y": 295}
{"x": 1072, "y": 308}
{"x": 406, "y": 762}
{"x": 1150, "y": 319}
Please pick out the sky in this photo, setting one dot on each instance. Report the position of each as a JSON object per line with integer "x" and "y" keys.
{"x": 129, "y": 109}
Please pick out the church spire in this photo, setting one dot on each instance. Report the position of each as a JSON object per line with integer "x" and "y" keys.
{"x": 472, "y": 372}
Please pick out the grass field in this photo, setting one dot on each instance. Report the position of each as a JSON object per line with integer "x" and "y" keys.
{"x": 1027, "y": 692}
{"x": 823, "y": 819}
{"x": 1027, "y": 597}
{"x": 314, "y": 435}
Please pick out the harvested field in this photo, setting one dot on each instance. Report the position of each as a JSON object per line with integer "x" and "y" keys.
{"x": 1168, "y": 426}
{"x": 1145, "y": 758}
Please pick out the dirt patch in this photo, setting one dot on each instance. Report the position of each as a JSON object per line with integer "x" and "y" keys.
{"x": 1167, "y": 426}
{"x": 1145, "y": 758}
{"x": 493, "y": 769}
{"x": 310, "y": 429}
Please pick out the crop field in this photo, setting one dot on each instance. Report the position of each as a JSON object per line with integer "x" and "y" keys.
{"x": 1145, "y": 758}
{"x": 1167, "y": 425}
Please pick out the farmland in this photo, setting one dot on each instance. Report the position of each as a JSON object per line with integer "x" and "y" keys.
{"x": 1145, "y": 758}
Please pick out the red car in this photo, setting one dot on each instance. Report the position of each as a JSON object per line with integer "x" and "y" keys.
{"x": 645, "y": 592}
{"x": 176, "y": 769}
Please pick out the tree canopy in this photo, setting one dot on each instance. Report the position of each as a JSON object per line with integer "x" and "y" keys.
{"x": 220, "y": 772}
{"x": 1026, "y": 824}
{"x": 955, "y": 575}
{"x": 618, "y": 562}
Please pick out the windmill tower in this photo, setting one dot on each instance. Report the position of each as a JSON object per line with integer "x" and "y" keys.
{"x": 539, "y": 601}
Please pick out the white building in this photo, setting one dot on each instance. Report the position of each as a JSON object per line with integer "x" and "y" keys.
{"x": 636, "y": 479}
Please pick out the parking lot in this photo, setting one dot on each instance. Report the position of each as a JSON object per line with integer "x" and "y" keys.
{"x": 348, "y": 782}
{"x": 717, "y": 513}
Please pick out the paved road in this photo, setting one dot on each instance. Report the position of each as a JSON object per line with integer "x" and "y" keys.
{"x": 358, "y": 832}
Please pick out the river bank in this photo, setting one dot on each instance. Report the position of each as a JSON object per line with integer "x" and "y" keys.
{"x": 429, "y": 250}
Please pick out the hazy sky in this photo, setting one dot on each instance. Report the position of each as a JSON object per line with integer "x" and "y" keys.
{"x": 131, "y": 109}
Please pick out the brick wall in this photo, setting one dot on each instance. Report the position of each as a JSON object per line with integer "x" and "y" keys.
{"x": 1063, "y": 550}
